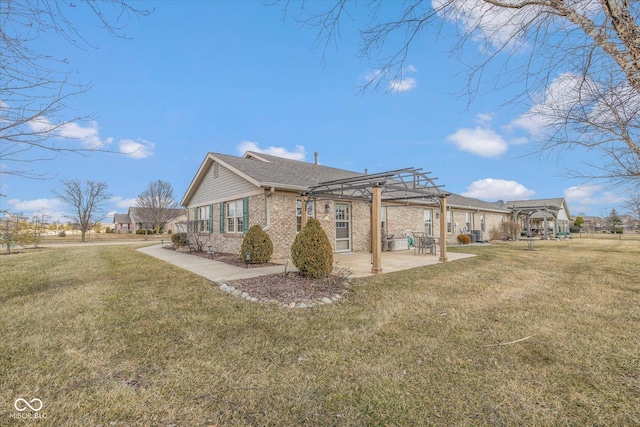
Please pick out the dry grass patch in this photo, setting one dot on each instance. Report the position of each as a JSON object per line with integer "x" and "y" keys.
{"x": 109, "y": 336}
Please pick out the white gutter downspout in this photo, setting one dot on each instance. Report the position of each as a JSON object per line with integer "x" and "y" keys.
{"x": 268, "y": 208}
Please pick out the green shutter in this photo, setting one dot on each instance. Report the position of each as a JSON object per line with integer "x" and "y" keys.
{"x": 245, "y": 214}
{"x": 211, "y": 219}
{"x": 195, "y": 214}
{"x": 221, "y": 217}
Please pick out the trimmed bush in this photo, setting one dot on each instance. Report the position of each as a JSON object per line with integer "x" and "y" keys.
{"x": 258, "y": 245}
{"x": 464, "y": 239}
{"x": 180, "y": 239}
{"x": 311, "y": 251}
{"x": 147, "y": 232}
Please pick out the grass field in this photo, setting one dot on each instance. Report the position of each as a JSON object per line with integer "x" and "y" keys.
{"x": 104, "y": 335}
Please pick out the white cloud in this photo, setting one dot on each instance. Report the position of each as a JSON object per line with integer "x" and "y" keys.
{"x": 53, "y": 207}
{"x": 297, "y": 154}
{"x": 481, "y": 141}
{"x": 402, "y": 85}
{"x": 498, "y": 189}
{"x": 589, "y": 195}
{"x": 488, "y": 24}
{"x": 88, "y": 136}
{"x": 136, "y": 149}
{"x": 121, "y": 202}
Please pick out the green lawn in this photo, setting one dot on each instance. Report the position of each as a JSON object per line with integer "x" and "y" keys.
{"x": 108, "y": 336}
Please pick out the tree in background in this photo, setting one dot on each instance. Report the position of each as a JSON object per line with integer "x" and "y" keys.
{"x": 578, "y": 222}
{"x": 13, "y": 230}
{"x": 39, "y": 224}
{"x": 86, "y": 201}
{"x": 157, "y": 205}
{"x": 36, "y": 86}
{"x": 632, "y": 205}
{"x": 614, "y": 222}
{"x": 577, "y": 62}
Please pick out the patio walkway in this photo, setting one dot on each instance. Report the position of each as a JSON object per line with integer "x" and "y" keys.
{"x": 358, "y": 263}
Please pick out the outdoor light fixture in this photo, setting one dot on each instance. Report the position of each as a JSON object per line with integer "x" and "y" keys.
{"x": 327, "y": 207}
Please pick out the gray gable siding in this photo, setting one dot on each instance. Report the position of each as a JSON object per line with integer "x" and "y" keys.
{"x": 225, "y": 186}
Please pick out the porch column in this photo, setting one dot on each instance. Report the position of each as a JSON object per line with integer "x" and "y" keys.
{"x": 443, "y": 228}
{"x": 376, "y": 233}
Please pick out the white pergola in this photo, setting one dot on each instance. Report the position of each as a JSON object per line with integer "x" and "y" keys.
{"x": 392, "y": 186}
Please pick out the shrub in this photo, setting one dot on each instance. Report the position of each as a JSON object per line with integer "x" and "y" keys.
{"x": 510, "y": 230}
{"x": 180, "y": 239}
{"x": 108, "y": 230}
{"x": 311, "y": 251}
{"x": 147, "y": 231}
{"x": 258, "y": 245}
{"x": 62, "y": 233}
{"x": 464, "y": 239}
{"x": 169, "y": 231}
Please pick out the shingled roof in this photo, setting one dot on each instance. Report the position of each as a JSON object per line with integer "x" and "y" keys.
{"x": 279, "y": 171}
{"x": 266, "y": 170}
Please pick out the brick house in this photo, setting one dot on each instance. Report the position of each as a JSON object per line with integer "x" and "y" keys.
{"x": 134, "y": 220}
{"x": 228, "y": 194}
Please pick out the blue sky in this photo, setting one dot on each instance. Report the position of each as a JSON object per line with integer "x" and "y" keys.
{"x": 195, "y": 77}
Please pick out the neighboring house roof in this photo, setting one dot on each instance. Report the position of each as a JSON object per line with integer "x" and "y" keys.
{"x": 121, "y": 219}
{"x": 137, "y": 214}
{"x": 462, "y": 202}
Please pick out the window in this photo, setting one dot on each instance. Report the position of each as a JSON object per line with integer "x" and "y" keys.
{"x": 234, "y": 216}
{"x": 428, "y": 223}
{"x": 298, "y": 215}
{"x": 310, "y": 209}
{"x": 202, "y": 216}
{"x": 449, "y": 221}
{"x": 482, "y": 222}
{"x": 310, "y": 213}
{"x": 467, "y": 220}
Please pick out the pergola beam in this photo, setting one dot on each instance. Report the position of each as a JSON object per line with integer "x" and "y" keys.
{"x": 397, "y": 185}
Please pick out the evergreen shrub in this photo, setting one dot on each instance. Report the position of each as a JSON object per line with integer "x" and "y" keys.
{"x": 258, "y": 245}
{"x": 311, "y": 251}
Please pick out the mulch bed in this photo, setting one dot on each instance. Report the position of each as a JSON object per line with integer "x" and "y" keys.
{"x": 289, "y": 288}
{"x": 232, "y": 259}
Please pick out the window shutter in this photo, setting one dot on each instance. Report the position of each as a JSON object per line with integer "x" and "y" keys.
{"x": 195, "y": 214}
{"x": 211, "y": 219}
{"x": 245, "y": 214}
{"x": 221, "y": 217}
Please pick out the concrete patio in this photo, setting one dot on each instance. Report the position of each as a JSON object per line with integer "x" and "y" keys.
{"x": 360, "y": 263}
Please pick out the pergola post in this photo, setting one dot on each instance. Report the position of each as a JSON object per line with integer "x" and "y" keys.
{"x": 443, "y": 228}
{"x": 376, "y": 232}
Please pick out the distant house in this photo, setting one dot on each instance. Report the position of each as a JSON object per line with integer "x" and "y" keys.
{"x": 134, "y": 220}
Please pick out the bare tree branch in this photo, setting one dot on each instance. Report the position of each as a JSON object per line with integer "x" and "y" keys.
{"x": 35, "y": 86}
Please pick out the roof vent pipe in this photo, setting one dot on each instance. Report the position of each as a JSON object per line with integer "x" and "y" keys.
{"x": 366, "y": 171}
{"x": 315, "y": 157}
